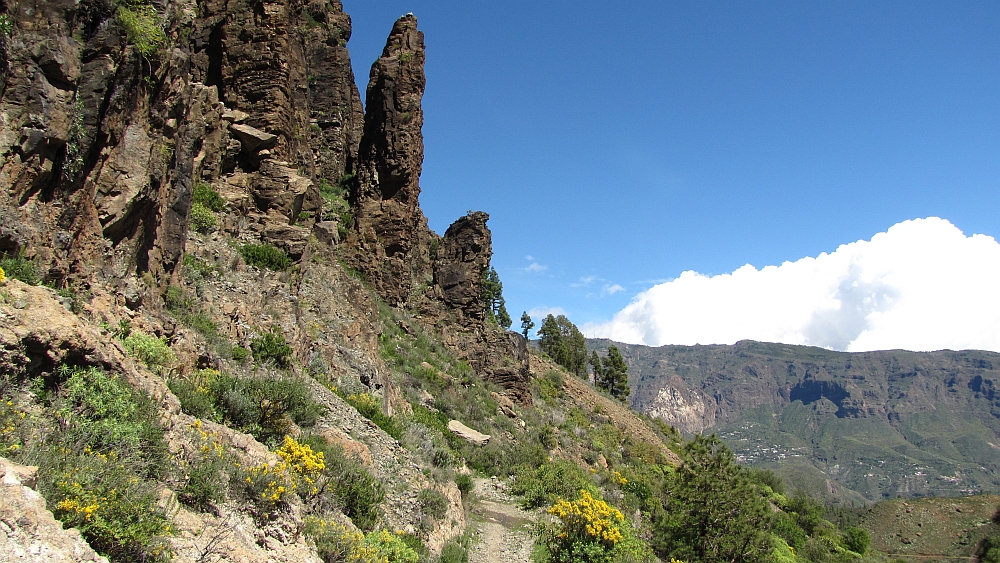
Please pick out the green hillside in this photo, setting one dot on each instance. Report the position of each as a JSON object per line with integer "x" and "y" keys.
{"x": 846, "y": 427}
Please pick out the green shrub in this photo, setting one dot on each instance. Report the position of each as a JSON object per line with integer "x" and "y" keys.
{"x": 371, "y": 408}
{"x": 335, "y": 543}
{"x": 208, "y": 473}
{"x": 454, "y": 552}
{"x": 345, "y": 485}
{"x": 335, "y": 204}
{"x": 264, "y": 406}
{"x": 204, "y": 195}
{"x": 240, "y": 353}
{"x": 202, "y": 219}
{"x": 150, "y": 350}
{"x": 20, "y": 268}
{"x": 464, "y": 484}
{"x": 558, "y": 479}
{"x": 433, "y": 503}
{"x": 271, "y": 347}
{"x": 99, "y": 447}
{"x": 265, "y": 256}
{"x": 195, "y": 394}
{"x": 390, "y": 547}
{"x": 142, "y": 26}
{"x": 857, "y": 540}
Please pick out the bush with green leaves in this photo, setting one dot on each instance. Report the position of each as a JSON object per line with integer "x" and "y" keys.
{"x": 558, "y": 479}
{"x": 433, "y": 503}
{"x": 142, "y": 26}
{"x": 204, "y": 195}
{"x": 202, "y": 219}
{"x": 345, "y": 485}
{"x": 18, "y": 267}
{"x": 208, "y": 471}
{"x": 335, "y": 543}
{"x": 265, "y": 256}
{"x": 371, "y": 408}
{"x": 99, "y": 448}
{"x": 150, "y": 350}
{"x": 335, "y": 204}
{"x": 265, "y": 407}
{"x": 454, "y": 552}
{"x": 271, "y": 348}
{"x": 464, "y": 483}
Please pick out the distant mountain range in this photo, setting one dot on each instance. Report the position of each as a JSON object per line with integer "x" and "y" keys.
{"x": 849, "y": 427}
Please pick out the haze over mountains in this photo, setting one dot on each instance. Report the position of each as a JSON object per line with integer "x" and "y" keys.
{"x": 857, "y": 426}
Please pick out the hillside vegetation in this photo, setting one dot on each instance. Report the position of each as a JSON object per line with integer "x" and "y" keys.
{"x": 848, "y": 427}
{"x": 227, "y": 333}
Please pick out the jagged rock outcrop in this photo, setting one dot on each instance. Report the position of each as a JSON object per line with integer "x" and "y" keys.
{"x": 391, "y": 240}
{"x": 462, "y": 257}
{"x": 103, "y": 145}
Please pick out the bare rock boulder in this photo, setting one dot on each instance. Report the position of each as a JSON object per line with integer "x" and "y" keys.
{"x": 469, "y": 435}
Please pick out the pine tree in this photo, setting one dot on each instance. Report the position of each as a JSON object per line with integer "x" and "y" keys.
{"x": 492, "y": 294}
{"x": 526, "y": 324}
{"x": 550, "y": 339}
{"x": 503, "y": 319}
{"x": 595, "y": 362}
{"x": 713, "y": 511}
{"x": 614, "y": 374}
{"x": 564, "y": 343}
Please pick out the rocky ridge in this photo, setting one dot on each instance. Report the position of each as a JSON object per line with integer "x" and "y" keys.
{"x": 917, "y": 422}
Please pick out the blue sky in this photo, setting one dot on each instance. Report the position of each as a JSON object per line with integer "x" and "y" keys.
{"x": 621, "y": 144}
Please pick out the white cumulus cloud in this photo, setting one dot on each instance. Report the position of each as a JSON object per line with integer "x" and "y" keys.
{"x": 535, "y": 267}
{"x": 922, "y": 285}
{"x": 612, "y": 289}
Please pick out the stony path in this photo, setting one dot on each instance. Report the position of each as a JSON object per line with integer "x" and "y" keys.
{"x": 503, "y": 532}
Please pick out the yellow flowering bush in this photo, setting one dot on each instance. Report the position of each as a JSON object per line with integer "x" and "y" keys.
{"x": 335, "y": 543}
{"x": 100, "y": 450}
{"x": 589, "y": 530}
{"x": 207, "y": 470}
{"x": 301, "y": 458}
{"x": 298, "y": 471}
{"x": 3, "y": 276}
{"x": 588, "y": 518}
{"x": 14, "y": 428}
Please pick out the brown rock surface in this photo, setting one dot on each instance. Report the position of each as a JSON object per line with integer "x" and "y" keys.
{"x": 390, "y": 241}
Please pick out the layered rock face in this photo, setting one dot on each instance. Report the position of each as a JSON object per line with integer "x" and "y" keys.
{"x": 391, "y": 239}
{"x": 105, "y": 144}
{"x": 391, "y": 244}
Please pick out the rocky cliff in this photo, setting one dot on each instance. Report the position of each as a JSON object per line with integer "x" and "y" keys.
{"x": 880, "y": 424}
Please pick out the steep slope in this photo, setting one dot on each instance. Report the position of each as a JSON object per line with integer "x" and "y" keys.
{"x": 873, "y": 424}
{"x": 249, "y": 346}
